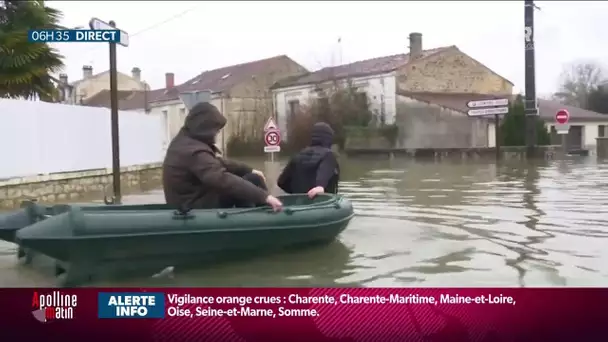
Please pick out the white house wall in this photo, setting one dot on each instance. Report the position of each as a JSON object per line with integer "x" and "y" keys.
{"x": 379, "y": 89}
{"x": 173, "y": 113}
{"x": 590, "y": 130}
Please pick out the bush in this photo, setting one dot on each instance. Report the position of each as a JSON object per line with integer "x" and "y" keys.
{"x": 513, "y": 127}
{"x": 339, "y": 106}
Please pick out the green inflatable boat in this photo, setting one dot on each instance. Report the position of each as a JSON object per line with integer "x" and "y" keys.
{"x": 85, "y": 240}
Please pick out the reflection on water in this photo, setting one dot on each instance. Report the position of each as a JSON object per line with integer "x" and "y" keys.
{"x": 433, "y": 224}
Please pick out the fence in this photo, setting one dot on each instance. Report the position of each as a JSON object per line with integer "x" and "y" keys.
{"x": 42, "y": 138}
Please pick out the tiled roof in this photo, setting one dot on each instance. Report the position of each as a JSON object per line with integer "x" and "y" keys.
{"x": 372, "y": 66}
{"x": 221, "y": 79}
{"x": 458, "y": 102}
{"x": 127, "y": 99}
{"x": 547, "y": 110}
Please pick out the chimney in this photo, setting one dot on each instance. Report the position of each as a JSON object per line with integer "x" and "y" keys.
{"x": 63, "y": 78}
{"x": 169, "y": 80}
{"x": 87, "y": 71}
{"x": 415, "y": 45}
{"x": 136, "y": 74}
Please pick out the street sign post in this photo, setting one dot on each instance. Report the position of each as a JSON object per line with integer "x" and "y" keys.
{"x": 489, "y": 103}
{"x": 494, "y": 107}
{"x": 272, "y": 138}
{"x": 96, "y": 24}
{"x": 562, "y": 127}
{"x": 562, "y": 116}
{"x": 488, "y": 111}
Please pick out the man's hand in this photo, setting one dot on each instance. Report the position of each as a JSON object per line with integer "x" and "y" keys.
{"x": 259, "y": 173}
{"x": 315, "y": 191}
{"x": 274, "y": 203}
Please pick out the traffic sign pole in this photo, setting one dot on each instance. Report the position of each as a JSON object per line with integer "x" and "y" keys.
{"x": 494, "y": 107}
{"x": 272, "y": 138}
{"x": 562, "y": 127}
{"x": 97, "y": 24}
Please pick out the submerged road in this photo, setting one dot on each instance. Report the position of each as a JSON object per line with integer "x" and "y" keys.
{"x": 429, "y": 224}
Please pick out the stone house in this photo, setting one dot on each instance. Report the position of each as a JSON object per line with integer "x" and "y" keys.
{"x": 81, "y": 91}
{"x": 384, "y": 80}
{"x": 241, "y": 92}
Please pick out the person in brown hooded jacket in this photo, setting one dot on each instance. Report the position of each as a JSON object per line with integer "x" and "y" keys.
{"x": 195, "y": 177}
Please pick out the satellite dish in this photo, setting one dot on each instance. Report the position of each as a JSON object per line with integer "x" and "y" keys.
{"x": 191, "y": 98}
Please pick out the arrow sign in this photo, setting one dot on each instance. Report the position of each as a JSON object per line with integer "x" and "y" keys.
{"x": 488, "y": 111}
{"x": 96, "y": 24}
{"x": 191, "y": 98}
{"x": 488, "y": 103}
{"x": 270, "y": 125}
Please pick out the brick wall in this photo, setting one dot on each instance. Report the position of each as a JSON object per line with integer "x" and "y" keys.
{"x": 79, "y": 186}
{"x": 451, "y": 71}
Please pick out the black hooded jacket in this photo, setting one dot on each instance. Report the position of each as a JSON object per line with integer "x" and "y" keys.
{"x": 316, "y": 165}
{"x": 194, "y": 176}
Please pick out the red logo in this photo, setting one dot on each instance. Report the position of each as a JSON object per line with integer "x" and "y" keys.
{"x": 54, "y": 306}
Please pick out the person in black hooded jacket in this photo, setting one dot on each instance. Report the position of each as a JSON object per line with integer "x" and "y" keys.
{"x": 196, "y": 177}
{"x": 314, "y": 170}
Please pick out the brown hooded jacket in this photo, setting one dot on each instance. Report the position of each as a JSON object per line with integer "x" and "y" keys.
{"x": 194, "y": 177}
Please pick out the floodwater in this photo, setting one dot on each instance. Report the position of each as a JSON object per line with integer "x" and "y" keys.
{"x": 430, "y": 224}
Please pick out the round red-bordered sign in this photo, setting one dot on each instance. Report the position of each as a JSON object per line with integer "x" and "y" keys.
{"x": 272, "y": 138}
{"x": 562, "y": 116}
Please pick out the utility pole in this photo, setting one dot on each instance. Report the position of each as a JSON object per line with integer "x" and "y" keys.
{"x": 530, "y": 105}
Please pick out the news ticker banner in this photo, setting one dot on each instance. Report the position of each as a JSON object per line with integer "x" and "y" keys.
{"x": 71, "y": 36}
{"x": 300, "y": 314}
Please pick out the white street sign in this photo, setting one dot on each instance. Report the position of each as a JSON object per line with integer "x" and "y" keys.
{"x": 270, "y": 125}
{"x": 96, "y": 24}
{"x": 488, "y": 103}
{"x": 562, "y": 128}
{"x": 272, "y": 149}
{"x": 488, "y": 111}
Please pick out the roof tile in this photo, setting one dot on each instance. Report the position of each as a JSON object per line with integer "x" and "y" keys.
{"x": 372, "y": 66}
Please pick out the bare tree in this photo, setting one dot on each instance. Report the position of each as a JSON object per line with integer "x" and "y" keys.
{"x": 577, "y": 81}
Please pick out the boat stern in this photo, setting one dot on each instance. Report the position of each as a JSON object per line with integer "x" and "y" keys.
{"x": 12, "y": 221}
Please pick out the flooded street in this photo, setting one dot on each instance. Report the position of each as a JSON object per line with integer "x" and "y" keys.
{"x": 431, "y": 224}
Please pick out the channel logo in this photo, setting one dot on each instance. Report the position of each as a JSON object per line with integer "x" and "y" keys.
{"x": 131, "y": 305}
{"x": 53, "y": 306}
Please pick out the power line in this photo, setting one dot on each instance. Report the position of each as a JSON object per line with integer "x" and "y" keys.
{"x": 156, "y": 25}
{"x": 179, "y": 15}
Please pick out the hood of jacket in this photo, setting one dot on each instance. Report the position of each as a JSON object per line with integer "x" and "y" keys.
{"x": 322, "y": 135}
{"x": 203, "y": 123}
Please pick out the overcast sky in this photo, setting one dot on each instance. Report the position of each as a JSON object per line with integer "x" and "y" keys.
{"x": 209, "y": 35}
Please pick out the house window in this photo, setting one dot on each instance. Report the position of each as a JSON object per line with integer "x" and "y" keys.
{"x": 601, "y": 131}
{"x": 361, "y": 99}
{"x": 323, "y": 103}
{"x": 165, "y": 119}
{"x": 324, "y": 108}
{"x": 294, "y": 107}
{"x": 382, "y": 110}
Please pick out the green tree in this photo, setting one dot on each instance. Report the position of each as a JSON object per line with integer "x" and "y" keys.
{"x": 577, "y": 81}
{"x": 513, "y": 127}
{"x": 26, "y": 68}
{"x": 598, "y": 100}
{"x": 340, "y": 105}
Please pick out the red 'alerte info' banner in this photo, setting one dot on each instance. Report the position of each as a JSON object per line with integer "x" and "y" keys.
{"x": 503, "y": 315}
